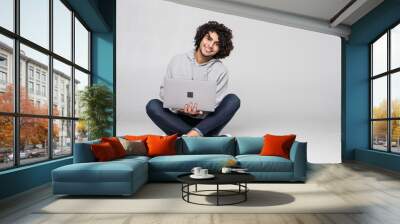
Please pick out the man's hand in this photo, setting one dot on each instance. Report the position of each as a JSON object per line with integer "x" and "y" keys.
{"x": 191, "y": 109}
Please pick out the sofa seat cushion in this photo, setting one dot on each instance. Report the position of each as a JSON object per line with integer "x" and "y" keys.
{"x": 257, "y": 163}
{"x": 112, "y": 171}
{"x": 185, "y": 163}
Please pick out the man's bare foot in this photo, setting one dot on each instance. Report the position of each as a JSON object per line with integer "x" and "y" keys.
{"x": 193, "y": 133}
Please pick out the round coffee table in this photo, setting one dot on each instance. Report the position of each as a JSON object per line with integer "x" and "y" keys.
{"x": 238, "y": 179}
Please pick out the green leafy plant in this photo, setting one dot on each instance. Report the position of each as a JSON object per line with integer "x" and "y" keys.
{"x": 96, "y": 102}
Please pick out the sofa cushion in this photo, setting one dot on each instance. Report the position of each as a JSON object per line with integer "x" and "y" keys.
{"x": 257, "y": 163}
{"x": 83, "y": 152}
{"x": 111, "y": 171}
{"x": 208, "y": 145}
{"x": 249, "y": 145}
{"x": 185, "y": 163}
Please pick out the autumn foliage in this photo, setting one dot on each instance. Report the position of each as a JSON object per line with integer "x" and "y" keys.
{"x": 380, "y": 127}
{"x": 33, "y": 131}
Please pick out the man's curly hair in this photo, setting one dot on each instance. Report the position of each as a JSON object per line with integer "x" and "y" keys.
{"x": 224, "y": 36}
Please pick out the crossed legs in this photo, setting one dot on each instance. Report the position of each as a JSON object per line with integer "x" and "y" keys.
{"x": 212, "y": 125}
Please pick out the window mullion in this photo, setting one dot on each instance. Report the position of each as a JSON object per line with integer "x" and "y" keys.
{"x": 50, "y": 81}
{"x": 73, "y": 82}
{"x": 389, "y": 105}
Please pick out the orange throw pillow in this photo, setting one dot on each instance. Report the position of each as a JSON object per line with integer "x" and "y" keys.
{"x": 116, "y": 145}
{"x": 277, "y": 145}
{"x": 161, "y": 145}
{"x": 136, "y": 137}
{"x": 103, "y": 151}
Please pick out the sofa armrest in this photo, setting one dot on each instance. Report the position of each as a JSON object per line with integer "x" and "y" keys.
{"x": 83, "y": 152}
{"x": 298, "y": 155}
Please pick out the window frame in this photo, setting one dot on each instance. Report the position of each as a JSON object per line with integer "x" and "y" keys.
{"x": 388, "y": 74}
{"x": 16, "y": 114}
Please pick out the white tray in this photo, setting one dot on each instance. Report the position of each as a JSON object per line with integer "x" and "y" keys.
{"x": 208, "y": 176}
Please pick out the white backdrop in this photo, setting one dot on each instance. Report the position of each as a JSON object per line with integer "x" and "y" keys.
{"x": 288, "y": 79}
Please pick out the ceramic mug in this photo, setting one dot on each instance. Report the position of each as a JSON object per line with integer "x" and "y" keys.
{"x": 226, "y": 170}
{"x": 203, "y": 172}
{"x": 196, "y": 170}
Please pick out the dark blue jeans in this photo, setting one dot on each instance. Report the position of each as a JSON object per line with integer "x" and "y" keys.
{"x": 211, "y": 125}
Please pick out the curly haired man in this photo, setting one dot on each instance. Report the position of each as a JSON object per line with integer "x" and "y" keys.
{"x": 213, "y": 41}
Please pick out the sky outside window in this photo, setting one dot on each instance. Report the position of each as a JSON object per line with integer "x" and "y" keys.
{"x": 7, "y": 14}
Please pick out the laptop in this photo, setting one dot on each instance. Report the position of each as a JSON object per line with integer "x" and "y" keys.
{"x": 178, "y": 92}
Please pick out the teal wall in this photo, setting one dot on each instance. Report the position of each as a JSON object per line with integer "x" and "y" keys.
{"x": 103, "y": 63}
{"x": 356, "y": 86}
{"x": 24, "y": 178}
{"x": 99, "y": 15}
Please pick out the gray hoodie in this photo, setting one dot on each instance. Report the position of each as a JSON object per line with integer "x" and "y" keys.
{"x": 185, "y": 66}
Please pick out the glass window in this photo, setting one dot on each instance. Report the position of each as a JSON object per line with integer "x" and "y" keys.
{"x": 33, "y": 140}
{"x": 37, "y": 89}
{"x": 81, "y": 81}
{"x": 62, "y": 72}
{"x": 81, "y": 45}
{"x": 62, "y": 29}
{"x": 385, "y": 89}
{"x": 6, "y": 142}
{"x": 379, "y": 135}
{"x": 7, "y": 14}
{"x": 40, "y": 62}
{"x": 379, "y": 100}
{"x": 30, "y": 72}
{"x": 395, "y": 136}
{"x": 81, "y": 131}
{"x": 395, "y": 47}
{"x": 62, "y": 137}
{"x": 6, "y": 73}
{"x": 395, "y": 94}
{"x": 3, "y": 60}
{"x": 379, "y": 55}
{"x": 30, "y": 87}
{"x": 34, "y": 80}
{"x": 34, "y": 21}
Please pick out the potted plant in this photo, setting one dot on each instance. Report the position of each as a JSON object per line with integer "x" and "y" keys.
{"x": 96, "y": 102}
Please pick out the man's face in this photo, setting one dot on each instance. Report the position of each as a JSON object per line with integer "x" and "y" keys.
{"x": 209, "y": 45}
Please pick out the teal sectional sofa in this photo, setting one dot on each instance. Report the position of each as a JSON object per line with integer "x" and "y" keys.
{"x": 125, "y": 176}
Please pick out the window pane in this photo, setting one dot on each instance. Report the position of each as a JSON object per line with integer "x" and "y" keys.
{"x": 395, "y": 136}
{"x": 379, "y": 135}
{"x": 34, "y": 78}
{"x": 33, "y": 139}
{"x": 35, "y": 21}
{"x": 395, "y": 47}
{"x": 81, "y": 131}
{"x": 6, "y": 142}
{"x": 6, "y": 74}
{"x": 379, "y": 55}
{"x": 81, "y": 45}
{"x": 62, "y": 29}
{"x": 395, "y": 94}
{"x": 81, "y": 81}
{"x": 62, "y": 138}
{"x": 379, "y": 100}
{"x": 7, "y": 14}
{"x": 62, "y": 89}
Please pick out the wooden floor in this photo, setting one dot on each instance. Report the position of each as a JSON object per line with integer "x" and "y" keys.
{"x": 377, "y": 188}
